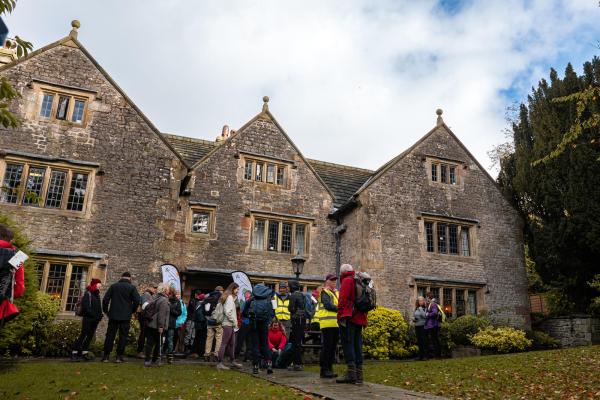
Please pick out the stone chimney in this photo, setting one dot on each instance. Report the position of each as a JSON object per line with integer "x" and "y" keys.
{"x": 224, "y": 134}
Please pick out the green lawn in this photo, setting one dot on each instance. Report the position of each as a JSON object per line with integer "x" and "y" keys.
{"x": 556, "y": 374}
{"x": 70, "y": 381}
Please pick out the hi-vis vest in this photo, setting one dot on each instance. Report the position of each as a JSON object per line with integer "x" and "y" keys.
{"x": 327, "y": 319}
{"x": 282, "y": 312}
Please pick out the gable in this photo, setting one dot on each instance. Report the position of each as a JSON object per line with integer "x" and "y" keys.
{"x": 71, "y": 55}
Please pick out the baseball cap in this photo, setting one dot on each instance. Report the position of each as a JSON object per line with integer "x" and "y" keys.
{"x": 331, "y": 277}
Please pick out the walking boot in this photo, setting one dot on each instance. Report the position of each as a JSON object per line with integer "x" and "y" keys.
{"x": 255, "y": 369}
{"x": 329, "y": 374}
{"x": 349, "y": 376}
{"x": 359, "y": 375}
{"x": 170, "y": 358}
{"x": 269, "y": 367}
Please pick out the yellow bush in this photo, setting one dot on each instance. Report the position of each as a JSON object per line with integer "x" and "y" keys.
{"x": 386, "y": 336}
{"x": 501, "y": 340}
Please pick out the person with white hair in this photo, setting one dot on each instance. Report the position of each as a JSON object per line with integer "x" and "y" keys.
{"x": 159, "y": 309}
{"x": 351, "y": 323}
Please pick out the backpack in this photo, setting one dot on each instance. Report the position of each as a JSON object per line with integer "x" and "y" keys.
{"x": 6, "y": 275}
{"x": 366, "y": 298}
{"x": 218, "y": 315}
{"x": 212, "y": 300}
{"x": 199, "y": 316}
{"x": 149, "y": 311}
{"x": 309, "y": 306}
{"x": 79, "y": 305}
{"x": 441, "y": 316}
{"x": 260, "y": 310}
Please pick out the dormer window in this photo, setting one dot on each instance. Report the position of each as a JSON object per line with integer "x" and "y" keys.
{"x": 58, "y": 103}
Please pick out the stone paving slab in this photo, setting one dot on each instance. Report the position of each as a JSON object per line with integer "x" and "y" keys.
{"x": 309, "y": 382}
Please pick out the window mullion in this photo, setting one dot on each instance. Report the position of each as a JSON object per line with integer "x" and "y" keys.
{"x": 44, "y": 190}
{"x": 45, "y": 273}
{"x": 63, "y": 206}
{"x": 279, "y": 236}
{"x": 266, "y": 235}
{"x": 66, "y": 284}
{"x": 23, "y": 186}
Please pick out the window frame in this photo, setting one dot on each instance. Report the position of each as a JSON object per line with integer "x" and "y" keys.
{"x": 206, "y": 209}
{"x": 49, "y": 168}
{"x": 73, "y": 95}
{"x": 459, "y": 225}
{"x": 265, "y": 163}
{"x": 92, "y": 269}
{"x": 270, "y": 219}
{"x": 447, "y": 172}
{"x": 442, "y": 287}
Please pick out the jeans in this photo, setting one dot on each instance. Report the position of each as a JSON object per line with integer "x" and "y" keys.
{"x": 329, "y": 340}
{"x": 171, "y": 340}
{"x": 153, "y": 339}
{"x": 422, "y": 341}
{"x": 351, "y": 336}
{"x": 111, "y": 333}
{"x": 433, "y": 337}
{"x": 214, "y": 332}
{"x": 88, "y": 329}
{"x": 296, "y": 337}
{"x": 227, "y": 343}
{"x": 260, "y": 341}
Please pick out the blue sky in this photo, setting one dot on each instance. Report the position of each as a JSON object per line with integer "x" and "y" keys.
{"x": 354, "y": 82}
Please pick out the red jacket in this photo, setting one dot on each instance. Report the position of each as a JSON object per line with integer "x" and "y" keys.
{"x": 7, "y": 309}
{"x": 277, "y": 339}
{"x": 346, "y": 301}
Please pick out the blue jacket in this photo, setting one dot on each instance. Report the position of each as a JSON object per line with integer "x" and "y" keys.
{"x": 181, "y": 319}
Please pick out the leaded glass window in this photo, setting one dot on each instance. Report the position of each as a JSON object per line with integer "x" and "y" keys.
{"x": 447, "y": 306}
{"x": 429, "y": 236}
{"x": 56, "y": 188}
{"x": 63, "y": 107}
{"x": 273, "y": 236}
{"x": 435, "y": 291}
{"x": 460, "y": 302}
{"x": 472, "y": 302}
{"x": 466, "y": 246}
{"x": 39, "y": 273}
{"x": 46, "y": 109}
{"x": 77, "y": 191}
{"x": 78, "y": 111}
{"x": 453, "y": 175}
{"x": 434, "y": 172}
{"x": 76, "y": 286}
{"x": 286, "y": 237}
{"x": 200, "y": 222}
{"x": 300, "y": 239}
{"x": 33, "y": 186}
{"x": 270, "y": 173}
{"x": 258, "y": 235}
{"x": 248, "y": 170}
{"x": 443, "y": 173}
{"x": 56, "y": 280}
{"x": 259, "y": 172}
{"x": 442, "y": 241}
{"x": 280, "y": 175}
{"x": 453, "y": 239}
{"x": 11, "y": 183}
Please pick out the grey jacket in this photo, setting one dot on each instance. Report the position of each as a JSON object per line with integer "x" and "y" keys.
{"x": 420, "y": 316}
{"x": 161, "y": 318}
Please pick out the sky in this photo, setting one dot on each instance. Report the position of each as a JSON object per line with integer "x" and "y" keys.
{"x": 351, "y": 82}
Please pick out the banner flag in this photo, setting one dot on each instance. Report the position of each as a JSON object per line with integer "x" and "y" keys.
{"x": 243, "y": 281}
{"x": 170, "y": 276}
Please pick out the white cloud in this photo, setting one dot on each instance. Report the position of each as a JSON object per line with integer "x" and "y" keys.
{"x": 354, "y": 82}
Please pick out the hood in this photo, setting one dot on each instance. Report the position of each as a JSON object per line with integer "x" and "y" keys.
{"x": 348, "y": 274}
{"x": 6, "y": 245}
{"x": 294, "y": 285}
{"x": 260, "y": 292}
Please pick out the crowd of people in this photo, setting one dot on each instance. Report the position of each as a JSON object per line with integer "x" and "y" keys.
{"x": 267, "y": 327}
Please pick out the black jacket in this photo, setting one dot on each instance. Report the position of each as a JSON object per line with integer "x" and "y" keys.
{"x": 91, "y": 306}
{"x": 328, "y": 302}
{"x": 296, "y": 306}
{"x": 120, "y": 300}
{"x": 174, "y": 311}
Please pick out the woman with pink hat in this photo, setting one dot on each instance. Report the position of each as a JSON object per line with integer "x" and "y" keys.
{"x": 90, "y": 308}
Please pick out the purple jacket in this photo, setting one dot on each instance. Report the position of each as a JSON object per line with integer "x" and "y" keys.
{"x": 432, "y": 316}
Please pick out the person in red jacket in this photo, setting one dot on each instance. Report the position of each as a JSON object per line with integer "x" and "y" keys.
{"x": 277, "y": 340}
{"x": 351, "y": 323}
{"x": 11, "y": 286}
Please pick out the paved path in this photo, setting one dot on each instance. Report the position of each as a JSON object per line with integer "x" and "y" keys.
{"x": 309, "y": 382}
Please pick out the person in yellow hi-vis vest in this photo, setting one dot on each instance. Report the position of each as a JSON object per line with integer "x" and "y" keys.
{"x": 327, "y": 316}
{"x": 281, "y": 303}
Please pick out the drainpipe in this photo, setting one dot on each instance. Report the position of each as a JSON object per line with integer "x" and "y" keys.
{"x": 338, "y": 231}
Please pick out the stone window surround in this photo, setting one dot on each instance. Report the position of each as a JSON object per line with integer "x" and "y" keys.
{"x": 441, "y": 285}
{"x": 209, "y": 208}
{"x": 281, "y": 218}
{"x": 287, "y": 165}
{"x": 460, "y": 222}
{"x": 95, "y": 268}
{"x": 459, "y": 165}
{"x": 40, "y": 88}
{"x": 49, "y": 163}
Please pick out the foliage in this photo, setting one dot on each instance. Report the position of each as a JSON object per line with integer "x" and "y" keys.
{"x": 90, "y": 381}
{"x": 462, "y": 328}
{"x": 595, "y": 304}
{"x": 542, "y": 341}
{"x": 501, "y": 339}
{"x": 552, "y": 178}
{"x": 559, "y": 303}
{"x": 554, "y": 374}
{"x": 386, "y": 336}
{"x": 61, "y": 338}
{"x": 27, "y": 333}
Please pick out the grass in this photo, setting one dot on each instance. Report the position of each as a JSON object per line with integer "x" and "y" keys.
{"x": 70, "y": 381}
{"x": 555, "y": 374}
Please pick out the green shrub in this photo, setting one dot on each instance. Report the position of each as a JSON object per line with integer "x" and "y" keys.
{"x": 386, "y": 336}
{"x": 446, "y": 343}
{"x": 542, "y": 341}
{"x": 62, "y": 336}
{"x": 501, "y": 340}
{"x": 25, "y": 334}
{"x": 462, "y": 328}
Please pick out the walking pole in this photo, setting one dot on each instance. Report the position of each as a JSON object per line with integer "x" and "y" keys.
{"x": 160, "y": 344}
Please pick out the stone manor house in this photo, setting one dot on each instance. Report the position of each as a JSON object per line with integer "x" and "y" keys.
{"x": 100, "y": 190}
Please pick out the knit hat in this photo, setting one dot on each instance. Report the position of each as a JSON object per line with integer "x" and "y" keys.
{"x": 95, "y": 281}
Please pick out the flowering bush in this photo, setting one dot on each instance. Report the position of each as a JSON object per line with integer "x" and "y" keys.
{"x": 386, "y": 336}
{"x": 462, "y": 328}
{"x": 501, "y": 340}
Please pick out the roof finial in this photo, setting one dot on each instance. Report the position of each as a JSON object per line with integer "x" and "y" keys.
{"x": 75, "y": 24}
{"x": 439, "y": 113}
{"x": 265, "y": 104}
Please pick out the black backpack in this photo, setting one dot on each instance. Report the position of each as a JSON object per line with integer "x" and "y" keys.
{"x": 260, "y": 309}
{"x": 212, "y": 300}
{"x": 150, "y": 311}
{"x": 6, "y": 274}
{"x": 366, "y": 298}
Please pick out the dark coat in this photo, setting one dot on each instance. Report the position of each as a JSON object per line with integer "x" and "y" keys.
{"x": 297, "y": 300}
{"x": 91, "y": 305}
{"x": 174, "y": 311}
{"x": 120, "y": 301}
{"x": 161, "y": 318}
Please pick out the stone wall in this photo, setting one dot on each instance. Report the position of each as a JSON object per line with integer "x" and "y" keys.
{"x": 573, "y": 330}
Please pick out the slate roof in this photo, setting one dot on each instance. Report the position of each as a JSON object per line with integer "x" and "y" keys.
{"x": 342, "y": 180}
